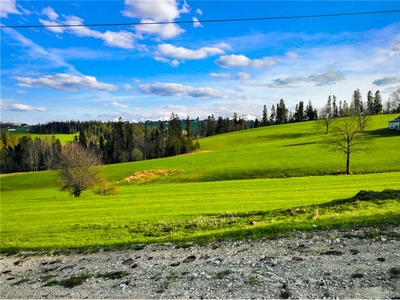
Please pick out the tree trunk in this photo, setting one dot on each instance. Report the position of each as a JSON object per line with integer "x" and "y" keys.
{"x": 348, "y": 163}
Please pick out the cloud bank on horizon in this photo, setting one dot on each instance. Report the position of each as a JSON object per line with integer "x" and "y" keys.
{"x": 157, "y": 66}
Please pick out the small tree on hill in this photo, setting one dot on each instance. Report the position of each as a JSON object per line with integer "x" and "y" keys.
{"x": 348, "y": 137}
{"x": 79, "y": 169}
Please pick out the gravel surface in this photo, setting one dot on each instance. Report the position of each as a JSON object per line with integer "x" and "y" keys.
{"x": 362, "y": 263}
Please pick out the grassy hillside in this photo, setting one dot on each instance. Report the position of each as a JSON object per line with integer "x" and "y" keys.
{"x": 210, "y": 194}
{"x": 288, "y": 150}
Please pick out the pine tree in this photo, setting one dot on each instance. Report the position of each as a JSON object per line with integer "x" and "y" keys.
{"x": 272, "y": 118}
{"x": 370, "y": 104}
{"x": 378, "y": 103}
{"x": 265, "y": 116}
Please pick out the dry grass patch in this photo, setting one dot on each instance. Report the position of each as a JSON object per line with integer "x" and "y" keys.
{"x": 150, "y": 175}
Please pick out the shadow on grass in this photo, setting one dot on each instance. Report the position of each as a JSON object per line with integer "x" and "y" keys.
{"x": 385, "y": 132}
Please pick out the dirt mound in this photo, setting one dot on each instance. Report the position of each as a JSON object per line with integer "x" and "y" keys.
{"x": 148, "y": 175}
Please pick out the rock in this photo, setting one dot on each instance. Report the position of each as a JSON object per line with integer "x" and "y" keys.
{"x": 129, "y": 261}
{"x": 296, "y": 258}
{"x": 331, "y": 252}
{"x": 381, "y": 259}
{"x": 189, "y": 259}
{"x": 175, "y": 264}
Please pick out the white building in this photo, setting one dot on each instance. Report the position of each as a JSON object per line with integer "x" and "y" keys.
{"x": 395, "y": 124}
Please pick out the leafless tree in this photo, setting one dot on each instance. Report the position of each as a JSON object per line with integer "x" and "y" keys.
{"x": 79, "y": 169}
{"x": 348, "y": 137}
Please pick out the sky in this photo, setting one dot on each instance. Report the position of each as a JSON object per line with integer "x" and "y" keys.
{"x": 197, "y": 68}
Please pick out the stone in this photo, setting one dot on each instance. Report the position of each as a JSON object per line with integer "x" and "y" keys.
{"x": 189, "y": 259}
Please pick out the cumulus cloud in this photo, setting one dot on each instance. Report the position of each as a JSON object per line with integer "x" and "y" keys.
{"x": 66, "y": 82}
{"x": 388, "y": 80}
{"x": 243, "y": 76}
{"x": 196, "y": 22}
{"x": 220, "y": 75}
{"x": 166, "y": 10}
{"x": 8, "y": 7}
{"x": 164, "y": 31}
{"x": 23, "y": 107}
{"x": 115, "y": 103}
{"x": 227, "y": 61}
{"x": 179, "y": 90}
{"x": 121, "y": 39}
{"x": 187, "y": 54}
{"x": 148, "y": 12}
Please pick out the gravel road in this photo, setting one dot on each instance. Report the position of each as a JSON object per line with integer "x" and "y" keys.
{"x": 363, "y": 263}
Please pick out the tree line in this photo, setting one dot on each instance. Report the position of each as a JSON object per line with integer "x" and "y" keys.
{"x": 113, "y": 142}
{"x": 116, "y": 142}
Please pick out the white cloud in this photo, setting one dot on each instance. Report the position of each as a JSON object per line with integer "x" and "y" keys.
{"x": 196, "y": 22}
{"x": 243, "y": 76}
{"x": 223, "y": 45}
{"x": 291, "y": 54}
{"x": 220, "y": 75}
{"x": 172, "y": 63}
{"x": 122, "y": 39}
{"x": 52, "y": 23}
{"x": 164, "y": 31}
{"x": 187, "y": 54}
{"x": 327, "y": 78}
{"x": 227, "y": 61}
{"x": 160, "y": 11}
{"x": 388, "y": 80}
{"x": 66, "y": 82}
{"x": 180, "y": 90}
{"x": 166, "y": 10}
{"x": 23, "y": 107}
{"x": 127, "y": 86}
{"x": 175, "y": 63}
{"x": 50, "y": 13}
{"x": 115, "y": 103}
{"x": 8, "y": 7}
{"x": 199, "y": 12}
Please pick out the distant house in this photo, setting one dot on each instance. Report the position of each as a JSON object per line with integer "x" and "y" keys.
{"x": 395, "y": 124}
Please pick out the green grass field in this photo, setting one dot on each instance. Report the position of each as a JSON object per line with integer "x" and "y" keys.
{"x": 270, "y": 175}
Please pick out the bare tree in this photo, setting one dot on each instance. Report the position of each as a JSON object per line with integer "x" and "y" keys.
{"x": 79, "y": 169}
{"x": 348, "y": 137}
{"x": 395, "y": 100}
{"x": 326, "y": 119}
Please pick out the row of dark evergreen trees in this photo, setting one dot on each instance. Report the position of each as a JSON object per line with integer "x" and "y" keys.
{"x": 114, "y": 142}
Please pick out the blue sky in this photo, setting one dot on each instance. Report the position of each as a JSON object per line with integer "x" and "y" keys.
{"x": 142, "y": 72}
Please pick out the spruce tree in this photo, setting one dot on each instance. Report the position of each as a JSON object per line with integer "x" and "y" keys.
{"x": 370, "y": 104}
{"x": 265, "y": 116}
{"x": 378, "y": 103}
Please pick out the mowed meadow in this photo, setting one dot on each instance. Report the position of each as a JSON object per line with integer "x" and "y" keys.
{"x": 253, "y": 183}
